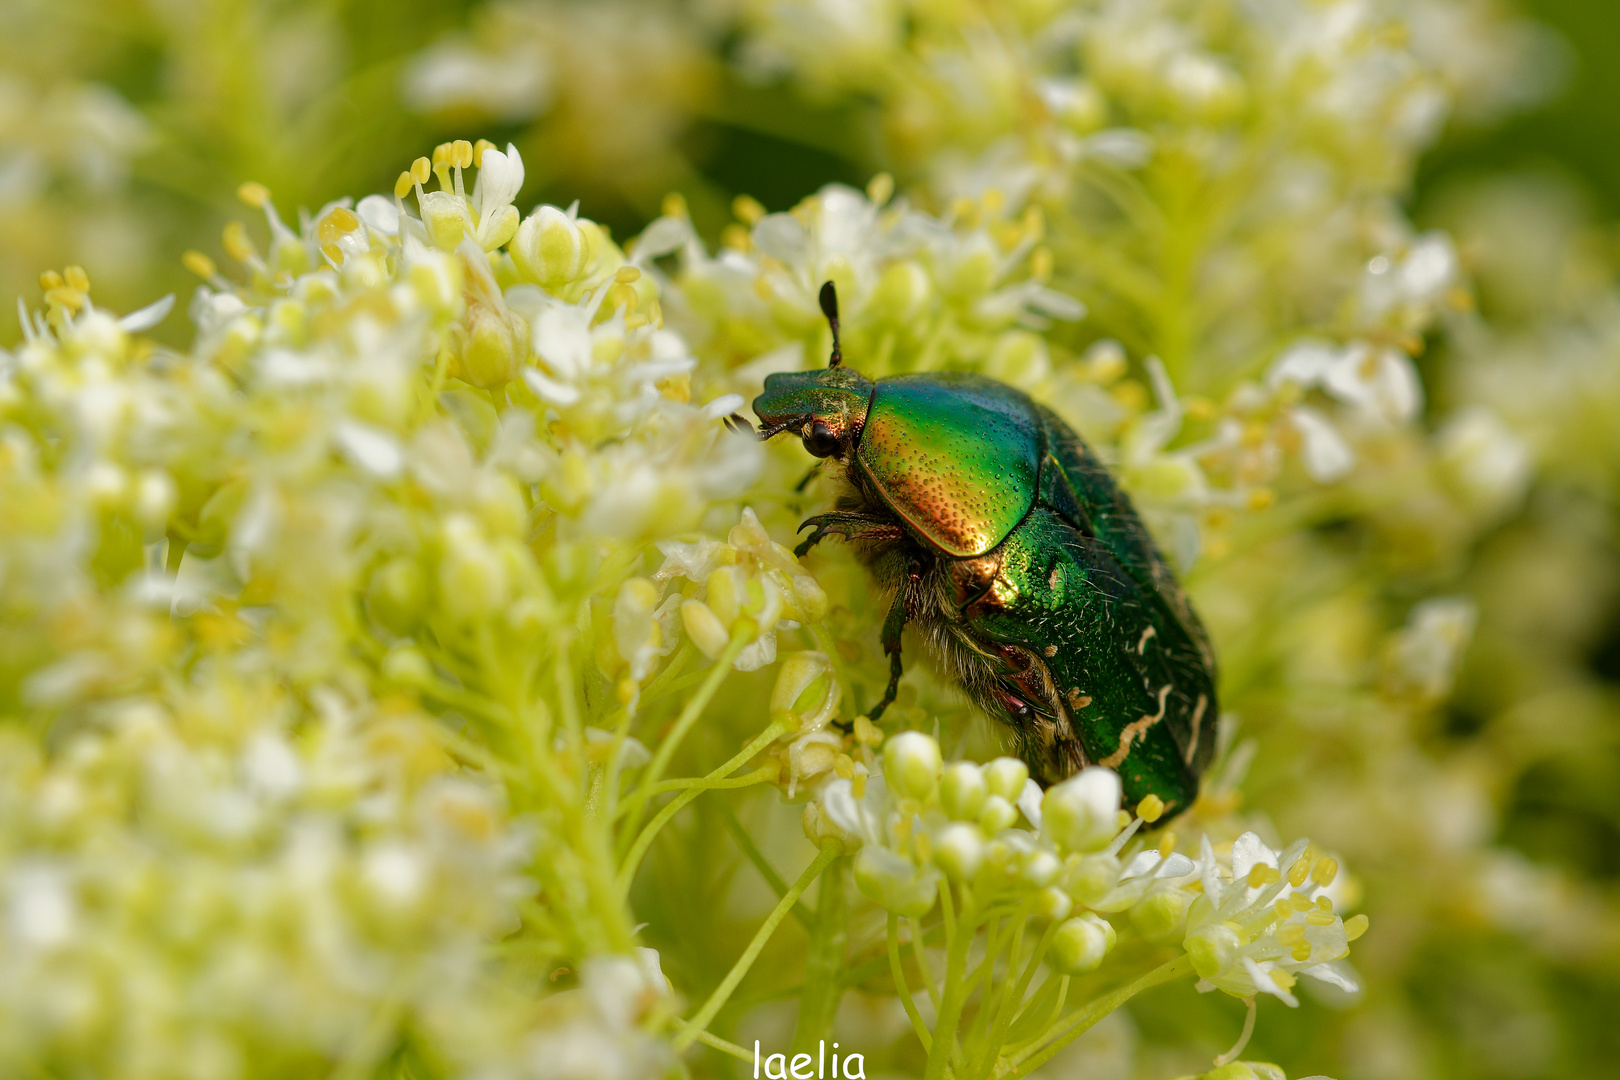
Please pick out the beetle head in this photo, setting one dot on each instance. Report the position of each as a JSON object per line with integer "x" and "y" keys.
{"x": 825, "y": 408}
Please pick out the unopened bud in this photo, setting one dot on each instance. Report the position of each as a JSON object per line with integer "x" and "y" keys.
{"x": 472, "y": 575}
{"x": 1089, "y": 878}
{"x": 1081, "y": 943}
{"x": 407, "y": 667}
{"x": 1213, "y": 948}
{"x": 962, "y": 791}
{"x": 395, "y": 595}
{"x": 1161, "y": 915}
{"x": 494, "y": 354}
{"x": 911, "y": 764}
{"x": 1040, "y": 869}
{"x": 1005, "y": 776}
{"x": 958, "y": 850}
{"x": 549, "y": 249}
{"x": 997, "y": 814}
{"x": 1052, "y": 903}
{"x": 1080, "y": 813}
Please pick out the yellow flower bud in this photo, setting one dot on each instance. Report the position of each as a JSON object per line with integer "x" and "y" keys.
{"x": 911, "y": 764}
{"x": 962, "y": 790}
{"x": 549, "y": 249}
{"x": 958, "y": 850}
{"x": 1005, "y": 776}
{"x": 1161, "y": 915}
{"x": 1081, "y": 943}
{"x": 1213, "y": 948}
{"x": 494, "y": 354}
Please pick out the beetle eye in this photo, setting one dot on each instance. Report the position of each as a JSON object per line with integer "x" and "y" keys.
{"x": 820, "y": 440}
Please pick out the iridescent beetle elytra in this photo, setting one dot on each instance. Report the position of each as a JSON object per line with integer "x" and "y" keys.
{"x": 1028, "y": 571}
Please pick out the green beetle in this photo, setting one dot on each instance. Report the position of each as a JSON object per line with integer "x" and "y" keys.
{"x": 1007, "y": 542}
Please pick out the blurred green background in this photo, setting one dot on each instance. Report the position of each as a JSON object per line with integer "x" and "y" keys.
{"x": 125, "y": 128}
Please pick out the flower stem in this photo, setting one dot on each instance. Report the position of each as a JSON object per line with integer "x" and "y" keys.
{"x": 689, "y": 716}
{"x": 955, "y": 995}
{"x": 632, "y": 860}
{"x": 700, "y": 1023}
{"x": 900, "y": 986}
{"x": 1029, "y": 1060}
{"x": 822, "y": 990}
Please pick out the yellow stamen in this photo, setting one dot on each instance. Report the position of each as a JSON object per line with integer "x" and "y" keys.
{"x": 1319, "y": 918}
{"x": 344, "y": 219}
{"x": 65, "y": 297}
{"x": 441, "y": 155}
{"x": 478, "y": 151}
{"x": 674, "y": 205}
{"x": 254, "y": 194}
{"x": 1283, "y": 979}
{"x": 1301, "y": 952}
{"x": 880, "y": 188}
{"x": 402, "y": 186}
{"x": 736, "y": 237}
{"x": 857, "y": 786}
{"x": 1284, "y": 909}
{"x": 1259, "y": 498}
{"x": 441, "y": 169}
{"x": 747, "y": 209}
{"x": 49, "y": 280}
{"x": 1167, "y": 845}
{"x": 1300, "y": 901}
{"x": 626, "y": 274}
{"x": 1263, "y": 875}
{"x": 464, "y": 153}
{"x": 1324, "y": 904}
{"x": 1040, "y": 264}
{"x": 1122, "y": 818}
{"x": 76, "y": 278}
{"x": 421, "y": 169}
{"x": 844, "y": 766}
{"x": 1354, "y": 927}
{"x": 333, "y": 252}
{"x": 866, "y": 732}
{"x": 199, "y": 264}
{"x": 1150, "y": 809}
{"x": 1325, "y": 870}
{"x": 622, "y": 296}
{"x": 1291, "y": 934}
{"x": 236, "y": 243}
{"x": 1299, "y": 871}
{"x": 1034, "y": 223}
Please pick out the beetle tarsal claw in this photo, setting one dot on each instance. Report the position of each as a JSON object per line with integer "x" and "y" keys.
{"x": 739, "y": 423}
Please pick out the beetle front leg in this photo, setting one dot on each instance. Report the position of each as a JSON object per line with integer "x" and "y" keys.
{"x": 849, "y": 526}
{"x": 903, "y": 608}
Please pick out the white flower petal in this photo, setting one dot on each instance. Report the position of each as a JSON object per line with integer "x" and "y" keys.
{"x": 380, "y": 214}
{"x": 724, "y": 405}
{"x": 148, "y": 316}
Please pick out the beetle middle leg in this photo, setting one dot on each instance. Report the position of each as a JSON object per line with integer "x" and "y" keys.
{"x": 849, "y": 526}
{"x": 903, "y": 608}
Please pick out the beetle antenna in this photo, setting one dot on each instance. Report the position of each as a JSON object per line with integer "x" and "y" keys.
{"x": 829, "y": 308}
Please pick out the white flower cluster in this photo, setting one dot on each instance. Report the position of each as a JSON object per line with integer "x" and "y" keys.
{"x": 1252, "y": 919}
